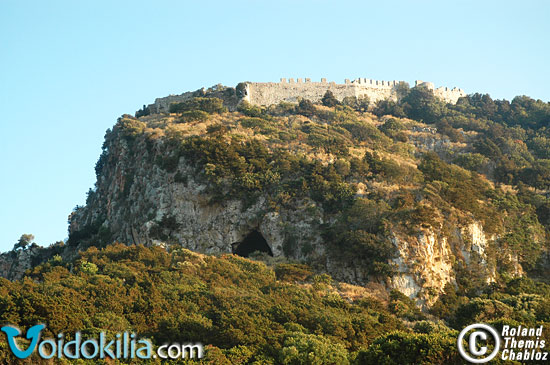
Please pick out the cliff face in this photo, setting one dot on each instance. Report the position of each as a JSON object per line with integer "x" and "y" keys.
{"x": 426, "y": 261}
{"x": 138, "y": 201}
{"x": 13, "y": 264}
{"x": 278, "y": 182}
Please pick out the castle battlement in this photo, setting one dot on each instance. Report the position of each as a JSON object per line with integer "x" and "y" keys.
{"x": 292, "y": 90}
{"x": 360, "y": 81}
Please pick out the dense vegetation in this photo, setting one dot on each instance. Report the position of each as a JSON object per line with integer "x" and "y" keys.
{"x": 372, "y": 171}
{"x": 247, "y": 312}
{"x": 235, "y": 305}
{"x": 454, "y": 183}
{"x": 514, "y": 136}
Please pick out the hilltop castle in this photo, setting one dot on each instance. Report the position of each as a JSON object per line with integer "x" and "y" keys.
{"x": 291, "y": 90}
{"x": 267, "y": 93}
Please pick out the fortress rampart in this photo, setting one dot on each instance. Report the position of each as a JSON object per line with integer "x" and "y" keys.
{"x": 162, "y": 105}
{"x": 291, "y": 90}
{"x": 268, "y": 93}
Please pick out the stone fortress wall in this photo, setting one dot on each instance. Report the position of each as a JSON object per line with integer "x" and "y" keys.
{"x": 291, "y": 90}
{"x": 268, "y": 93}
{"x": 162, "y": 105}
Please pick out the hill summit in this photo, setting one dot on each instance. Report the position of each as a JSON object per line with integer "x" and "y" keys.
{"x": 381, "y": 213}
{"x": 408, "y": 192}
{"x": 291, "y": 90}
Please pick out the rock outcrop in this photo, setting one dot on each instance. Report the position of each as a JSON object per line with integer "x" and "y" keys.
{"x": 149, "y": 192}
{"x": 137, "y": 201}
{"x": 14, "y": 263}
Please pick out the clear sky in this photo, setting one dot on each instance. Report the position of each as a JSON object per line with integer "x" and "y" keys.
{"x": 68, "y": 69}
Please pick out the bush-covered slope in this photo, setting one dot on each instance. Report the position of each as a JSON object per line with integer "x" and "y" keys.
{"x": 402, "y": 201}
{"x": 423, "y": 205}
{"x": 247, "y": 312}
{"x": 243, "y": 310}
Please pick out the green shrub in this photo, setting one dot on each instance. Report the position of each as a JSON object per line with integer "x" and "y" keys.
{"x": 481, "y": 310}
{"x": 208, "y": 105}
{"x": 412, "y": 348}
{"x": 360, "y": 104}
{"x": 329, "y": 99}
{"x": 251, "y": 110}
{"x": 388, "y": 107}
{"x": 130, "y": 128}
{"x": 260, "y": 125}
{"x": 193, "y": 116}
{"x": 301, "y": 348}
{"x": 471, "y": 161}
{"x": 293, "y": 272}
{"x": 358, "y": 235}
{"x": 88, "y": 268}
{"x": 404, "y": 307}
{"x": 305, "y": 107}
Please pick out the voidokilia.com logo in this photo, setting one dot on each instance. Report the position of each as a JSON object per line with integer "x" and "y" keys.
{"x": 122, "y": 346}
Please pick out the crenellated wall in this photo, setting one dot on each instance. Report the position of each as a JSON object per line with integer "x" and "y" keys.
{"x": 291, "y": 90}
{"x": 443, "y": 92}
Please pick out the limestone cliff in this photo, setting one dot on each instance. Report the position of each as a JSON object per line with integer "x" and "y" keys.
{"x": 183, "y": 179}
{"x": 138, "y": 201}
{"x": 13, "y": 264}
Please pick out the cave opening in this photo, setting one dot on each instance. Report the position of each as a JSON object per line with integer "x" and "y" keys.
{"x": 253, "y": 242}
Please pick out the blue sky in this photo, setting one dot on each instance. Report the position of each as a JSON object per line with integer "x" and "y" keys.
{"x": 68, "y": 69}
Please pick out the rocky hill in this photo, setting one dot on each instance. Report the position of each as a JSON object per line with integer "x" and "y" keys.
{"x": 399, "y": 193}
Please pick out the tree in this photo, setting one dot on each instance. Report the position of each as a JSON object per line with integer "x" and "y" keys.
{"x": 88, "y": 267}
{"x": 241, "y": 89}
{"x": 391, "y": 127}
{"x": 445, "y": 128}
{"x": 143, "y": 111}
{"x": 538, "y": 176}
{"x": 302, "y": 348}
{"x": 360, "y": 104}
{"x": 24, "y": 241}
{"x": 305, "y": 107}
{"x": 208, "y": 105}
{"x": 364, "y": 103}
{"x": 412, "y": 348}
{"x": 388, "y": 107}
{"x": 402, "y": 89}
{"x": 421, "y": 104}
{"x": 329, "y": 99}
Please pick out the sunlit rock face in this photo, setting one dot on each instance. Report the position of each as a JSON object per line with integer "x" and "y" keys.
{"x": 425, "y": 262}
{"x": 136, "y": 201}
{"x": 147, "y": 192}
{"x": 13, "y": 264}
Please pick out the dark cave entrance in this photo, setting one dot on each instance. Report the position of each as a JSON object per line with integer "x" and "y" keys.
{"x": 252, "y": 243}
